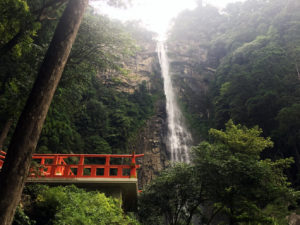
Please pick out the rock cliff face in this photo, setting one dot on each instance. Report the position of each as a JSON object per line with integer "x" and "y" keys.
{"x": 150, "y": 140}
{"x": 191, "y": 77}
{"x": 187, "y": 64}
{"x": 191, "y": 74}
{"x": 135, "y": 69}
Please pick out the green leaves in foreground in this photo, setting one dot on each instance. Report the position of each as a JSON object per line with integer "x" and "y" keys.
{"x": 174, "y": 194}
{"x": 70, "y": 205}
{"x": 239, "y": 138}
{"x": 228, "y": 183}
{"x": 237, "y": 179}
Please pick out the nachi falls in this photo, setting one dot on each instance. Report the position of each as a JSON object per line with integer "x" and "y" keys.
{"x": 179, "y": 138}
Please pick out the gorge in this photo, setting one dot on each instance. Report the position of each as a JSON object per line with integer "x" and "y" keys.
{"x": 224, "y": 84}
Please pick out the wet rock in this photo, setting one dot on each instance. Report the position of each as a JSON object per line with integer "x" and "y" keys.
{"x": 151, "y": 142}
{"x": 294, "y": 219}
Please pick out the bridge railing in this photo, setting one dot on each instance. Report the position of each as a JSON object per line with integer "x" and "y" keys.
{"x": 2, "y": 157}
{"x": 81, "y": 166}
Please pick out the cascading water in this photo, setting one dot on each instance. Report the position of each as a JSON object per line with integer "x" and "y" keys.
{"x": 179, "y": 139}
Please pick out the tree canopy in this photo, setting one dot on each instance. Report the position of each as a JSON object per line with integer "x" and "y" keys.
{"x": 227, "y": 182}
{"x": 70, "y": 205}
{"x": 88, "y": 112}
{"x": 250, "y": 70}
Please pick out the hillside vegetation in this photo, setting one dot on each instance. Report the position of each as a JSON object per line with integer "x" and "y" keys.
{"x": 89, "y": 113}
{"x": 253, "y": 47}
{"x": 234, "y": 69}
{"x": 237, "y": 73}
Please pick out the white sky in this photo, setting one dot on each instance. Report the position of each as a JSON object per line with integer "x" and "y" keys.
{"x": 155, "y": 14}
{"x": 220, "y": 3}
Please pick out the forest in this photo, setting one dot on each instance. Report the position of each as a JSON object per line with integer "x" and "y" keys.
{"x": 236, "y": 72}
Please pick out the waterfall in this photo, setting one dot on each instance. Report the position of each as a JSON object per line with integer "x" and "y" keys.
{"x": 179, "y": 139}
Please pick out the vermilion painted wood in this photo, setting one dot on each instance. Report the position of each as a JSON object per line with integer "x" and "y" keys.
{"x": 2, "y": 156}
{"x": 58, "y": 168}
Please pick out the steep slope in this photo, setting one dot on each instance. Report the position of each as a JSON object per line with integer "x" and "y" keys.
{"x": 242, "y": 64}
{"x": 108, "y": 96}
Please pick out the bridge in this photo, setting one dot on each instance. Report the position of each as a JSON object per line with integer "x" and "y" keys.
{"x": 115, "y": 175}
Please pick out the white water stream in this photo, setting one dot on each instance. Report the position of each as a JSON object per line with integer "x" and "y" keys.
{"x": 179, "y": 139}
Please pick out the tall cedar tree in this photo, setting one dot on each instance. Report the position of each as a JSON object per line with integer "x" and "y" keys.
{"x": 26, "y": 135}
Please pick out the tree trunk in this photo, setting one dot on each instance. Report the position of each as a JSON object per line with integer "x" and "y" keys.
{"x": 27, "y": 132}
{"x": 4, "y": 132}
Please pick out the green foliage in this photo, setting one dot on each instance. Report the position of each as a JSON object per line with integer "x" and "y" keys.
{"x": 254, "y": 49}
{"x": 20, "y": 52}
{"x": 228, "y": 183}
{"x": 240, "y": 139}
{"x": 21, "y": 218}
{"x": 238, "y": 180}
{"x": 107, "y": 119}
{"x": 87, "y": 114}
{"x": 171, "y": 198}
{"x": 71, "y": 205}
{"x": 15, "y": 17}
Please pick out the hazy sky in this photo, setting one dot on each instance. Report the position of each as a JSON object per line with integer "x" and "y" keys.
{"x": 220, "y": 3}
{"x": 156, "y": 14}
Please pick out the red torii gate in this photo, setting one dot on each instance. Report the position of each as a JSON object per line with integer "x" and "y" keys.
{"x": 64, "y": 166}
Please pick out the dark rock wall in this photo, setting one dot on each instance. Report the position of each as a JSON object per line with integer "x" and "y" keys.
{"x": 151, "y": 142}
{"x": 192, "y": 76}
{"x": 151, "y": 138}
